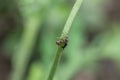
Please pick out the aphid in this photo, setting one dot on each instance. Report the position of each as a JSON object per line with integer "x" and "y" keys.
{"x": 62, "y": 42}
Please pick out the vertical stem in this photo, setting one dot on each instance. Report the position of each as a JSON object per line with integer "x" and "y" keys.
{"x": 22, "y": 56}
{"x": 55, "y": 63}
{"x": 63, "y": 36}
{"x": 71, "y": 18}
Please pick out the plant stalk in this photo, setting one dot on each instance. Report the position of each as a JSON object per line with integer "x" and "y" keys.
{"x": 63, "y": 37}
{"x": 22, "y": 56}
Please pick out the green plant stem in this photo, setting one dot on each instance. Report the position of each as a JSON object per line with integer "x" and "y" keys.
{"x": 71, "y": 18}
{"x": 57, "y": 58}
{"x": 22, "y": 56}
{"x": 63, "y": 36}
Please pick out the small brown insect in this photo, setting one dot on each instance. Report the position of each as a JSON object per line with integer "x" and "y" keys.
{"x": 62, "y": 42}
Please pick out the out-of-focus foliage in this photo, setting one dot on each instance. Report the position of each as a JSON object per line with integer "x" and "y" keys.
{"x": 92, "y": 37}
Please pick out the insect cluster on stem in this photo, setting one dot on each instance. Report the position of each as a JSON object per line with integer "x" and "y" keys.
{"x": 62, "y": 42}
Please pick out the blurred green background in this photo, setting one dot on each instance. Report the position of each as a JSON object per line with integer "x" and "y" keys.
{"x": 30, "y": 28}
